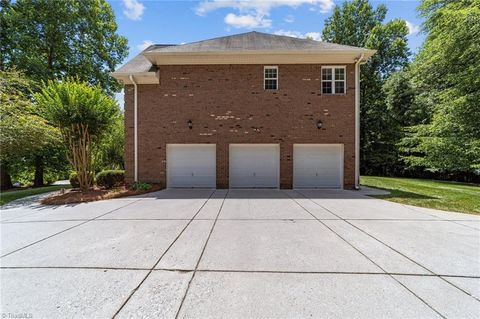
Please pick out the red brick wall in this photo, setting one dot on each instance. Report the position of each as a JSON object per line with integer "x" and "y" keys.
{"x": 227, "y": 104}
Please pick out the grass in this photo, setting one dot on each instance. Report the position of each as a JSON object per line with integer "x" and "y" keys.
{"x": 451, "y": 196}
{"x": 8, "y": 196}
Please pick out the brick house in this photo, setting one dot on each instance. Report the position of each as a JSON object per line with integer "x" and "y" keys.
{"x": 248, "y": 110}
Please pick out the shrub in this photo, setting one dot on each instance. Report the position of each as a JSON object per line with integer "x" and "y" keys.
{"x": 140, "y": 186}
{"x": 111, "y": 178}
{"x": 74, "y": 180}
{"x": 83, "y": 114}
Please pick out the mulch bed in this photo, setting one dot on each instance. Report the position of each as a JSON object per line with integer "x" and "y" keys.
{"x": 71, "y": 196}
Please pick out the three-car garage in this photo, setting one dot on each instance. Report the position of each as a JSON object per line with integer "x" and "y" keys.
{"x": 254, "y": 165}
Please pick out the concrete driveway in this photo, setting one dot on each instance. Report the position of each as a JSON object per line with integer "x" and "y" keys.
{"x": 240, "y": 254}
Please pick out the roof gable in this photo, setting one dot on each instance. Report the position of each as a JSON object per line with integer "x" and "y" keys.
{"x": 253, "y": 41}
{"x": 244, "y": 48}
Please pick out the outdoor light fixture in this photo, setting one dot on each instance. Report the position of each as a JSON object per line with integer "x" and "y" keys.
{"x": 190, "y": 124}
{"x": 319, "y": 124}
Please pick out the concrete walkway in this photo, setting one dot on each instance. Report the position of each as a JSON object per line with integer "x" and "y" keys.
{"x": 240, "y": 254}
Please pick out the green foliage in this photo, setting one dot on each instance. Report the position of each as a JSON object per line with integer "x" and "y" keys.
{"x": 74, "y": 180}
{"x": 22, "y": 170}
{"x": 22, "y": 131}
{"x": 140, "y": 186}
{"x": 451, "y": 196}
{"x": 111, "y": 178}
{"x": 447, "y": 73}
{"x": 50, "y": 39}
{"x": 110, "y": 153}
{"x": 400, "y": 99}
{"x": 357, "y": 23}
{"x": 68, "y": 103}
{"x": 83, "y": 114}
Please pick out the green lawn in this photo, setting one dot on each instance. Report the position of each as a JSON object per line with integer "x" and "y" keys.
{"x": 10, "y": 195}
{"x": 458, "y": 197}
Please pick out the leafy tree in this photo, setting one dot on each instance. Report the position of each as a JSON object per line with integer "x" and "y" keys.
{"x": 50, "y": 39}
{"x": 357, "y": 23}
{"x": 22, "y": 131}
{"x": 110, "y": 155}
{"x": 401, "y": 100}
{"x": 447, "y": 73}
{"x": 83, "y": 114}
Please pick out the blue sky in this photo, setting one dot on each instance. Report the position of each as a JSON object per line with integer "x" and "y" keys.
{"x": 148, "y": 21}
{"x": 144, "y": 22}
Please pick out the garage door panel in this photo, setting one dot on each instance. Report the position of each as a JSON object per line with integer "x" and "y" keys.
{"x": 191, "y": 165}
{"x": 318, "y": 166}
{"x": 254, "y": 165}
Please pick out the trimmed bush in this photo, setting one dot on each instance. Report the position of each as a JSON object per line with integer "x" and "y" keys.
{"x": 140, "y": 186}
{"x": 74, "y": 180}
{"x": 111, "y": 178}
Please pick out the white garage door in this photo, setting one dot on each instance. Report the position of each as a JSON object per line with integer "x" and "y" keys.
{"x": 254, "y": 165}
{"x": 318, "y": 165}
{"x": 191, "y": 165}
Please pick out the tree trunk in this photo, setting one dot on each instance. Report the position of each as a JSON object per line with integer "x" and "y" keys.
{"x": 5, "y": 179}
{"x": 38, "y": 180}
{"x": 80, "y": 156}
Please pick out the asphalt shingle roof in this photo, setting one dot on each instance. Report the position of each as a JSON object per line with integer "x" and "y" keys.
{"x": 140, "y": 63}
{"x": 252, "y": 41}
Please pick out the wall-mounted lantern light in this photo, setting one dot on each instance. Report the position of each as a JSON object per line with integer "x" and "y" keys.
{"x": 319, "y": 124}
{"x": 190, "y": 124}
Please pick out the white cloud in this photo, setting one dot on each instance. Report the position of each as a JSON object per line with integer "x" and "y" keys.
{"x": 412, "y": 28}
{"x": 253, "y": 13}
{"x": 289, "y": 19}
{"x": 263, "y": 6}
{"x": 314, "y": 36}
{"x": 145, "y": 44}
{"x": 247, "y": 21}
{"x": 296, "y": 34}
{"x": 133, "y": 9}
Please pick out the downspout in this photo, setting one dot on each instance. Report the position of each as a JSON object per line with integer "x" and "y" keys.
{"x": 135, "y": 129}
{"x": 357, "y": 120}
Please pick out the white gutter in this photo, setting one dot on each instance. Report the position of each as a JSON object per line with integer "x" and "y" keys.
{"x": 135, "y": 128}
{"x": 357, "y": 120}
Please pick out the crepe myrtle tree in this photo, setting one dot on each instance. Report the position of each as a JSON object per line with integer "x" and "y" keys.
{"x": 83, "y": 113}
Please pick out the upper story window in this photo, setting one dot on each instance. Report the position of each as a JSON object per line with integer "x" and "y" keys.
{"x": 333, "y": 80}
{"x": 270, "y": 77}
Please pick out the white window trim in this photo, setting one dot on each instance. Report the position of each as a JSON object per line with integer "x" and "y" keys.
{"x": 333, "y": 67}
{"x": 277, "y": 78}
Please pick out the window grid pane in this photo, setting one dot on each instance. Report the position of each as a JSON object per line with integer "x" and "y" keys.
{"x": 326, "y": 74}
{"x": 270, "y": 73}
{"x": 270, "y": 84}
{"x": 339, "y": 87}
{"x": 340, "y": 74}
{"x": 270, "y": 78}
{"x": 327, "y": 87}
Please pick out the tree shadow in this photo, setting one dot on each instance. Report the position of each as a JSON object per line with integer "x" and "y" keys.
{"x": 395, "y": 193}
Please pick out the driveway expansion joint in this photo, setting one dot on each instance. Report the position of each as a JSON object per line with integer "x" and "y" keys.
{"x": 395, "y": 250}
{"x": 242, "y": 271}
{"x": 353, "y": 246}
{"x": 69, "y": 228}
{"x": 201, "y": 255}
{"x": 150, "y": 270}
